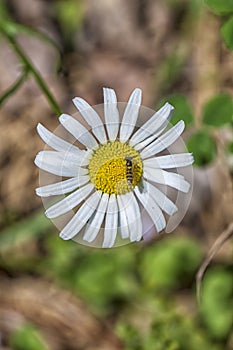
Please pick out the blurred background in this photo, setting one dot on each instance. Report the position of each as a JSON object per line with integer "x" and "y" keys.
{"x": 60, "y": 295}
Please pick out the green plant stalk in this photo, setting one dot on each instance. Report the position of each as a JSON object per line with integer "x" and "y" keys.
{"x": 29, "y": 65}
{"x": 14, "y": 87}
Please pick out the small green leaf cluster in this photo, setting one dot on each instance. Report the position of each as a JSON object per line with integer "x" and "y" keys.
{"x": 217, "y": 306}
{"x": 27, "y": 337}
{"x": 224, "y": 8}
{"x": 168, "y": 330}
{"x": 217, "y": 113}
{"x": 146, "y": 280}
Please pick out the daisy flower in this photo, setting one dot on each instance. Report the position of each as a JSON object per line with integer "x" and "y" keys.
{"x": 113, "y": 170}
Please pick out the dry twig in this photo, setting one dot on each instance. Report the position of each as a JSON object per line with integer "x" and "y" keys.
{"x": 224, "y": 236}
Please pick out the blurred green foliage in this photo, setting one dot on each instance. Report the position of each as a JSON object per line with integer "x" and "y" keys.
{"x": 230, "y": 147}
{"x": 69, "y": 14}
{"x": 27, "y": 337}
{"x": 221, "y": 7}
{"x": 183, "y": 109}
{"x": 203, "y": 147}
{"x": 217, "y": 306}
{"x": 170, "y": 70}
{"x": 227, "y": 33}
{"x": 135, "y": 277}
{"x": 168, "y": 330}
{"x": 218, "y": 111}
{"x": 105, "y": 277}
{"x": 171, "y": 264}
{"x": 224, "y": 8}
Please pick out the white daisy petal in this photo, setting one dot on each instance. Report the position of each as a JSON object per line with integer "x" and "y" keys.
{"x": 59, "y": 163}
{"x": 81, "y": 217}
{"x": 69, "y": 202}
{"x": 161, "y": 199}
{"x": 111, "y": 113}
{"x": 163, "y": 177}
{"x": 123, "y": 224}
{"x": 144, "y": 143}
{"x": 78, "y": 131}
{"x": 163, "y": 141}
{"x": 92, "y": 118}
{"x": 130, "y": 115}
{"x": 79, "y": 160}
{"x": 111, "y": 221}
{"x": 56, "y": 142}
{"x": 93, "y": 226}
{"x": 154, "y": 126}
{"x": 62, "y": 187}
{"x": 152, "y": 208}
{"x": 170, "y": 161}
{"x": 133, "y": 216}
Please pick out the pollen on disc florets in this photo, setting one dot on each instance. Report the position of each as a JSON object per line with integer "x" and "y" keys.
{"x": 110, "y": 171}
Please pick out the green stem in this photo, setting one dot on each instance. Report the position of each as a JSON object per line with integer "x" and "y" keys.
{"x": 29, "y": 65}
{"x": 14, "y": 87}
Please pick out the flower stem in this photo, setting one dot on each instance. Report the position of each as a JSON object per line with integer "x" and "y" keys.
{"x": 31, "y": 68}
{"x": 13, "y": 88}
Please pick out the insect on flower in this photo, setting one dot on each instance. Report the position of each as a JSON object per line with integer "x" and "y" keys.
{"x": 129, "y": 170}
{"x": 110, "y": 176}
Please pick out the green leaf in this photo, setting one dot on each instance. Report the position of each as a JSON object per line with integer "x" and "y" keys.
{"x": 218, "y": 111}
{"x": 220, "y": 7}
{"x": 110, "y": 278}
{"x": 217, "y": 302}
{"x": 27, "y": 338}
{"x": 170, "y": 264}
{"x": 227, "y": 33}
{"x": 14, "y": 87}
{"x": 4, "y": 13}
{"x": 70, "y": 14}
{"x": 203, "y": 147}
{"x": 230, "y": 147}
{"x": 182, "y": 110}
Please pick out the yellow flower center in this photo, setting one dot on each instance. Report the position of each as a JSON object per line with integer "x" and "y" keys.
{"x": 115, "y": 168}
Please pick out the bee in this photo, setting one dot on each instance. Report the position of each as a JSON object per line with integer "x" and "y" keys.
{"x": 129, "y": 170}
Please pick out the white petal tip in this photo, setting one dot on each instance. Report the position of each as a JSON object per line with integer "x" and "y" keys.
{"x": 77, "y": 100}
{"x": 74, "y": 100}
{"x": 137, "y": 239}
{"x": 64, "y": 237}
{"x": 186, "y": 188}
{"x": 161, "y": 228}
{"x": 138, "y": 93}
{"x": 88, "y": 239}
{"x": 174, "y": 211}
{"x": 191, "y": 158}
{"x": 49, "y": 215}
{"x": 39, "y": 127}
{"x": 63, "y": 117}
{"x": 108, "y": 246}
{"x": 182, "y": 123}
{"x": 37, "y": 159}
{"x": 170, "y": 106}
{"x": 108, "y": 89}
{"x": 38, "y": 193}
